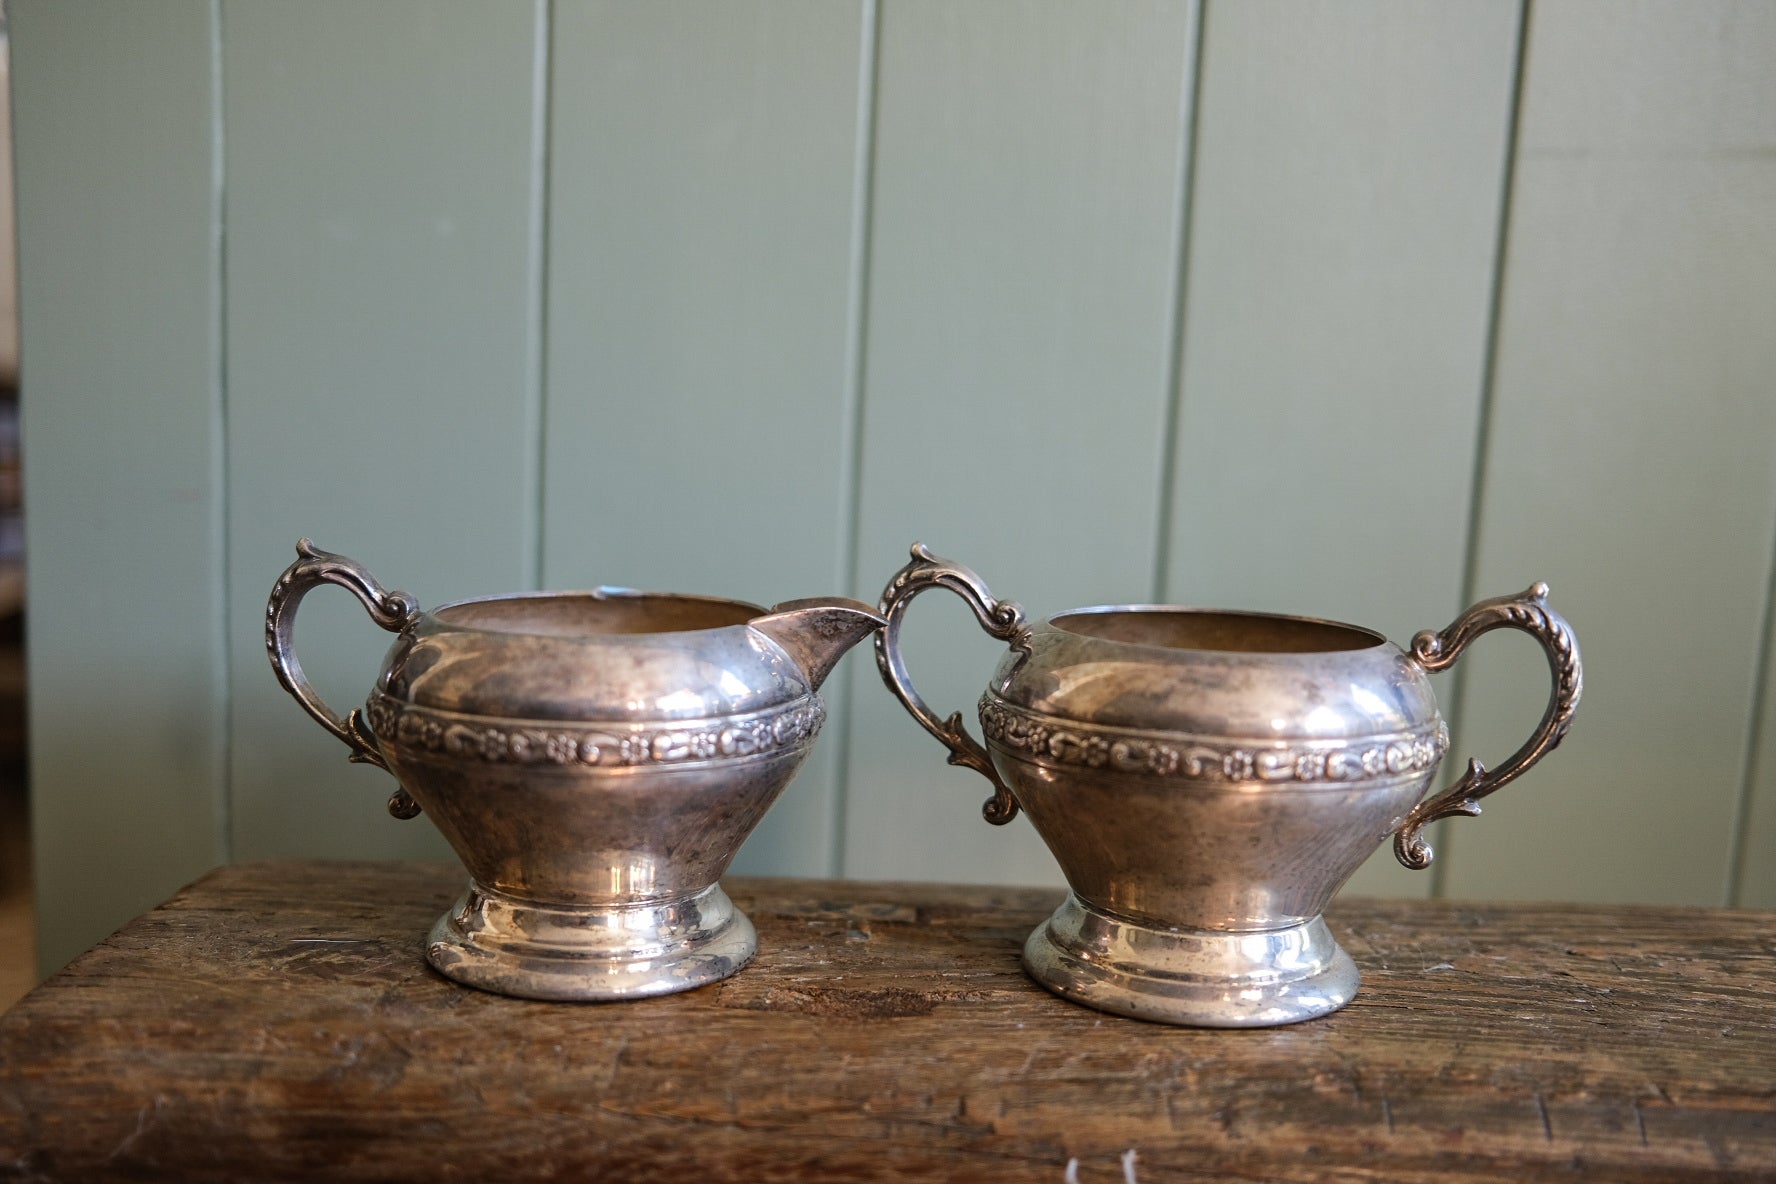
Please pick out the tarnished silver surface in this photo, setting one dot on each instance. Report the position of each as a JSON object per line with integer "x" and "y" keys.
{"x": 1208, "y": 780}
{"x": 594, "y": 758}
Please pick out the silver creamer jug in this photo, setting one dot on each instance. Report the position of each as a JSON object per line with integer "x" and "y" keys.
{"x": 594, "y": 758}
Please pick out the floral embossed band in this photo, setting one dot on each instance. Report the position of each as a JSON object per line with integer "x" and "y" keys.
{"x": 659, "y": 743}
{"x": 1046, "y": 739}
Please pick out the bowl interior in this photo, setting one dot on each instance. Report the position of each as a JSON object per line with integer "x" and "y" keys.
{"x": 596, "y": 614}
{"x": 1225, "y": 632}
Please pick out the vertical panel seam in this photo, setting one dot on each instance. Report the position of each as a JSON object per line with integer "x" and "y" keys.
{"x": 851, "y": 423}
{"x": 1190, "y": 102}
{"x": 536, "y": 403}
{"x": 1488, "y": 385}
{"x": 222, "y": 659}
{"x": 1738, "y": 839}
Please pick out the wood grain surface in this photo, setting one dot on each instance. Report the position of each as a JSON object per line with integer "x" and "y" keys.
{"x": 276, "y": 1022}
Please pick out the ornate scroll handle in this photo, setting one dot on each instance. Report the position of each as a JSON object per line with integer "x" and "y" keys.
{"x": 1001, "y": 618}
{"x": 394, "y": 611}
{"x": 1529, "y": 612}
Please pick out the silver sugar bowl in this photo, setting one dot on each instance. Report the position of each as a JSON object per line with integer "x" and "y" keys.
{"x": 1208, "y": 780}
{"x": 594, "y": 758}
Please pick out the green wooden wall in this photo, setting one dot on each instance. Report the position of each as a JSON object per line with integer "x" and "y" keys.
{"x": 1361, "y": 309}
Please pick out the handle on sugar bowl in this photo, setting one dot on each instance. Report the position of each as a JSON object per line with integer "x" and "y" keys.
{"x": 1528, "y": 611}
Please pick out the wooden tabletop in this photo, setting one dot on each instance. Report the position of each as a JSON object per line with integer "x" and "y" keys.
{"x": 275, "y": 1021}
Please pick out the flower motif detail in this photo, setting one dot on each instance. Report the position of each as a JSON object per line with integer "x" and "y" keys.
{"x": 407, "y": 726}
{"x": 1044, "y": 740}
{"x": 1074, "y": 748}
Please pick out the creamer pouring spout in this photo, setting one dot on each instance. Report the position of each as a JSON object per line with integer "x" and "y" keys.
{"x": 817, "y": 632}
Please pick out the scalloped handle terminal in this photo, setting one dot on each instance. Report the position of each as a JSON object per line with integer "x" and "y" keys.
{"x": 1529, "y": 612}
{"x": 394, "y": 611}
{"x": 1003, "y": 619}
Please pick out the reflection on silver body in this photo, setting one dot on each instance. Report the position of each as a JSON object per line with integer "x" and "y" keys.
{"x": 594, "y": 758}
{"x": 1208, "y": 780}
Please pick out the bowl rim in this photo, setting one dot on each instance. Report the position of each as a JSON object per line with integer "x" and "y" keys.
{"x": 603, "y": 592}
{"x": 1373, "y": 638}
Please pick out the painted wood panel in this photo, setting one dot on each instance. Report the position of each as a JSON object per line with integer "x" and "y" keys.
{"x": 381, "y": 302}
{"x": 118, "y": 260}
{"x": 704, "y": 171}
{"x": 789, "y": 332}
{"x": 1631, "y": 456}
{"x": 1021, "y": 300}
{"x": 1754, "y": 856}
{"x": 1345, "y": 211}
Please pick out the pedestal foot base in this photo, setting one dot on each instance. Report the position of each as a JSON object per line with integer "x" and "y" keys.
{"x": 515, "y": 947}
{"x": 1199, "y": 978}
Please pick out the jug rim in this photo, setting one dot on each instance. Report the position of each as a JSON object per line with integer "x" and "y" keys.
{"x": 744, "y": 611}
{"x": 1365, "y": 639}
